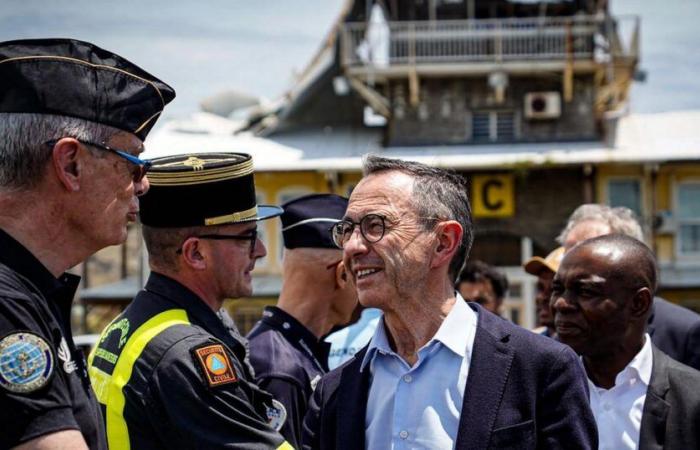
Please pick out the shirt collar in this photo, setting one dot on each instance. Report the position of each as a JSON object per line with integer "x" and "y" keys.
{"x": 15, "y": 256}
{"x": 642, "y": 362}
{"x": 640, "y": 366}
{"x": 453, "y": 333}
{"x": 198, "y": 312}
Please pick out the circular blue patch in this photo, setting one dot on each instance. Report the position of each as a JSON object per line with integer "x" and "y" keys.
{"x": 26, "y": 362}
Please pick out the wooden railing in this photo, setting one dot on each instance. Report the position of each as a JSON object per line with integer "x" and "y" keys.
{"x": 486, "y": 40}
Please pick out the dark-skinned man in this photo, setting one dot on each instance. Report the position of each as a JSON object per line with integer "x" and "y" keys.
{"x": 544, "y": 269}
{"x": 482, "y": 283}
{"x": 73, "y": 118}
{"x": 168, "y": 373}
{"x": 286, "y": 349}
{"x": 673, "y": 329}
{"x": 601, "y": 298}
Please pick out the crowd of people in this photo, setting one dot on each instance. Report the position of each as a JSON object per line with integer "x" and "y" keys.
{"x": 428, "y": 362}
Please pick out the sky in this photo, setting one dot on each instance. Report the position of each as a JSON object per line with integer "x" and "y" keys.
{"x": 209, "y": 46}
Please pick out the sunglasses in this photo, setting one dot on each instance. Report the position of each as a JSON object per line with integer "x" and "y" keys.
{"x": 139, "y": 166}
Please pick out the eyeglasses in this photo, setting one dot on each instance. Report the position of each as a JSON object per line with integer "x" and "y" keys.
{"x": 140, "y": 166}
{"x": 252, "y": 237}
{"x": 372, "y": 228}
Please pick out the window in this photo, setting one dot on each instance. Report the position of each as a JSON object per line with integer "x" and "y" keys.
{"x": 493, "y": 126}
{"x": 626, "y": 192}
{"x": 688, "y": 204}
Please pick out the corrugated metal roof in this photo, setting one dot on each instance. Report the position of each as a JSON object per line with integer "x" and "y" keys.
{"x": 658, "y": 137}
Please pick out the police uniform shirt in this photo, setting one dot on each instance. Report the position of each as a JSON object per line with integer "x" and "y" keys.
{"x": 168, "y": 374}
{"x": 288, "y": 361}
{"x": 43, "y": 378}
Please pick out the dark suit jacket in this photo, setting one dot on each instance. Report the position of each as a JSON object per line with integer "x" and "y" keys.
{"x": 675, "y": 331}
{"x": 671, "y": 414}
{"x": 523, "y": 391}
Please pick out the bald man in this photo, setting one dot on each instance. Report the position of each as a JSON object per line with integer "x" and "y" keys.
{"x": 673, "y": 329}
{"x": 601, "y": 298}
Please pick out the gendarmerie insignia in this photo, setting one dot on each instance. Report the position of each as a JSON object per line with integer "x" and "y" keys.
{"x": 26, "y": 362}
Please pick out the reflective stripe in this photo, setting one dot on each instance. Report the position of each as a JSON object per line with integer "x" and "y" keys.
{"x": 285, "y": 446}
{"x": 100, "y": 381}
{"x": 111, "y": 394}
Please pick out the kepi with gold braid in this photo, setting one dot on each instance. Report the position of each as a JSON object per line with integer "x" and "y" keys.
{"x": 202, "y": 189}
{"x": 68, "y": 77}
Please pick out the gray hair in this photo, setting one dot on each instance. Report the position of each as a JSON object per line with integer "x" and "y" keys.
{"x": 436, "y": 193}
{"x": 620, "y": 220}
{"x": 24, "y": 152}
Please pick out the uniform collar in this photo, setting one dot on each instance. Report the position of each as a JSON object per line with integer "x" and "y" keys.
{"x": 295, "y": 332}
{"x": 15, "y": 256}
{"x": 198, "y": 312}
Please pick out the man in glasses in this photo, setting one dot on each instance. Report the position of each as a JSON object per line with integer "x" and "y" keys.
{"x": 73, "y": 118}
{"x": 286, "y": 346}
{"x": 168, "y": 372}
{"x": 439, "y": 372}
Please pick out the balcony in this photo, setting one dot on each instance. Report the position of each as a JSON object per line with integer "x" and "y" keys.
{"x": 515, "y": 45}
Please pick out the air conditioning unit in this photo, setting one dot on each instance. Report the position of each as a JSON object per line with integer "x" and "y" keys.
{"x": 542, "y": 105}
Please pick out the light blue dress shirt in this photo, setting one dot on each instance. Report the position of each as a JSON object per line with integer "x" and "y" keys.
{"x": 349, "y": 340}
{"x": 419, "y": 407}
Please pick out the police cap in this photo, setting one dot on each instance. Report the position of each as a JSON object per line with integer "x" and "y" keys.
{"x": 307, "y": 220}
{"x": 202, "y": 189}
{"x": 67, "y": 77}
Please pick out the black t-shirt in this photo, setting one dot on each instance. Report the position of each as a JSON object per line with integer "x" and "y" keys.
{"x": 44, "y": 386}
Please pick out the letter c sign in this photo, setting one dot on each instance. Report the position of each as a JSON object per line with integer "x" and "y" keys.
{"x": 493, "y": 196}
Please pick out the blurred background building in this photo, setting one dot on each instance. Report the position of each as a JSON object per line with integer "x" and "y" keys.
{"x": 530, "y": 100}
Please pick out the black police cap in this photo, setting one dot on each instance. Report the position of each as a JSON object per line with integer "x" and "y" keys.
{"x": 307, "y": 220}
{"x": 202, "y": 189}
{"x": 67, "y": 77}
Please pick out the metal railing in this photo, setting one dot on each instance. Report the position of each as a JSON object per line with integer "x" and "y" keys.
{"x": 485, "y": 40}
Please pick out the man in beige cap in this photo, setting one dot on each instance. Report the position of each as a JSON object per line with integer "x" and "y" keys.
{"x": 544, "y": 269}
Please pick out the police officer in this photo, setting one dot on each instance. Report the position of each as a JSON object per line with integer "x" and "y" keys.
{"x": 73, "y": 118}
{"x": 285, "y": 347}
{"x": 167, "y": 371}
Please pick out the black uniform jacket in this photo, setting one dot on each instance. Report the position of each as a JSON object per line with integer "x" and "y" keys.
{"x": 671, "y": 414}
{"x": 524, "y": 391}
{"x": 675, "y": 330}
{"x": 288, "y": 362}
{"x": 33, "y": 302}
{"x": 169, "y": 375}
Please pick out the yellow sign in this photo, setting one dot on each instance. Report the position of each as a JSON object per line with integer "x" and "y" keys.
{"x": 492, "y": 196}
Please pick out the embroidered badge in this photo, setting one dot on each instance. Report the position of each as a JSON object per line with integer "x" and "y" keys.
{"x": 122, "y": 326}
{"x": 276, "y": 415}
{"x": 69, "y": 365}
{"x": 215, "y": 364}
{"x": 26, "y": 362}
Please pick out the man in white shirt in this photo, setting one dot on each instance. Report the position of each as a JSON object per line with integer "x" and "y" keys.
{"x": 601, "y": 300}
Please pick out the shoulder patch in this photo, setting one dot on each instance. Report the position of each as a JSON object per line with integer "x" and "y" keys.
{"x": 215, "y": 364}
{"x": 26, "y": 362}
